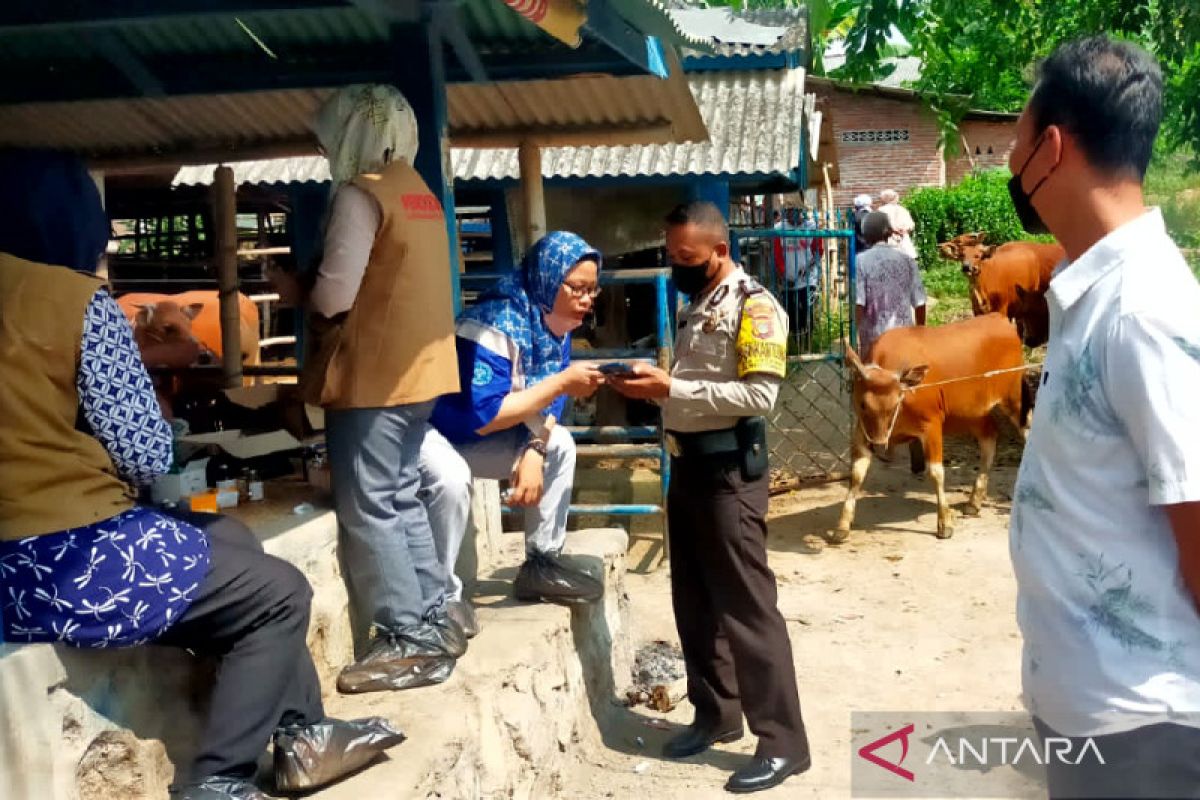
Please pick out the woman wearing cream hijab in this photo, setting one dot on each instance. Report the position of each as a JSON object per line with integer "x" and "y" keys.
{"x": 381, "y": 351}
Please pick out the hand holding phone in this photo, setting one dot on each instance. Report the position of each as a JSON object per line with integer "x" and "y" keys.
{"x": 617, "y": 368}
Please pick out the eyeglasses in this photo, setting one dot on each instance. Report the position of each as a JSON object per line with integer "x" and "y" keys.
{"x": 580, "y": 292}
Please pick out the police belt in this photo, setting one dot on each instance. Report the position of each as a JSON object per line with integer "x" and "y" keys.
{"x": 703, "y": 443}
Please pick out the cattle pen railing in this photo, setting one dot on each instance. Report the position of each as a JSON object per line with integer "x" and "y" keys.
{"x": 811, "y": 271}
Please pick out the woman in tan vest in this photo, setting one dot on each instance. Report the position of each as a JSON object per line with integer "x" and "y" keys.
{"x": 381, "y": 322}
{"x": 81, "y": 563}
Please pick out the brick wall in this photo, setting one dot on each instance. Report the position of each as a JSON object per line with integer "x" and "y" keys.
{"x": 989, "y": 144}
{"x": 869, "y": 168}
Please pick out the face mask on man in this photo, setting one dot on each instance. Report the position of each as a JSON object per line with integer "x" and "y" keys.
{"x": 691, "y": 278}
{"x": 1022, "y": 201}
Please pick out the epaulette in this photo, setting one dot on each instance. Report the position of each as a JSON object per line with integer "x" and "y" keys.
{"x": 750, "y": 287}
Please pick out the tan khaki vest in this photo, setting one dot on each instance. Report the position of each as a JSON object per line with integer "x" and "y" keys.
{"x": 396, "y": 344}
{"x": 52, "y": 476}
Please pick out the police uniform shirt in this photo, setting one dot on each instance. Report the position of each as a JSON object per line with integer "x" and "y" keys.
{"x": 730, "y": 355}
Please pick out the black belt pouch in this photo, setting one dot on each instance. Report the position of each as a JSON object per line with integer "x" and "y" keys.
{"x": 751, "y": 435}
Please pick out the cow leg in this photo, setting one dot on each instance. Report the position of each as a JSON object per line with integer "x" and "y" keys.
{"x": 937, "y": 474}
{"x": 986, "y": 435}
{"x": 860, "y": 460}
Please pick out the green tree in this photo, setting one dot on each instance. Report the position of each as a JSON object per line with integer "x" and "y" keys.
{"x": 980, "y": 53}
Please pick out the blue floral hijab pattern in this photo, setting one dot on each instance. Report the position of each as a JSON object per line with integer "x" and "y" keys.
{"x": 515, "y": 305}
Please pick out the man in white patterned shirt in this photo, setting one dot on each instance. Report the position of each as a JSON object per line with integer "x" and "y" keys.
{"x": 1105, "y": 531}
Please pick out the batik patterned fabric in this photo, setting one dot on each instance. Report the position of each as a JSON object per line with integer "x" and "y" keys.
{"x": 1112, "y": 636}
{"x": 118, "y": 583}
{"x": 117, "y": 397}
{"x": 122, "y": 581}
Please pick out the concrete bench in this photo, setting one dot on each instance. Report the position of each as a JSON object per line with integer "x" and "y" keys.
{"x": 106, "y": 724}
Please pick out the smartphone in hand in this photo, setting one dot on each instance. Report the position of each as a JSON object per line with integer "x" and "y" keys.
{"x": 617, "y": 369}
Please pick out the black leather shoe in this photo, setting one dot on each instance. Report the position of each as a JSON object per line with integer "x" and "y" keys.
{"x": 765, "y": 773}
{"x": 696, "y": 740}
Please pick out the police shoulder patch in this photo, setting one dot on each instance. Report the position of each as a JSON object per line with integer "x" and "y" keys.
{"x": 762, "y": 339}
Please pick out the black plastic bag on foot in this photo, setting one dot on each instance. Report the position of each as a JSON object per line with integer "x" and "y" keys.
{"x": 311, "y": 756}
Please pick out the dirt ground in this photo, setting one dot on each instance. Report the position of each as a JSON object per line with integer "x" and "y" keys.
{"x": 893, "y": 620}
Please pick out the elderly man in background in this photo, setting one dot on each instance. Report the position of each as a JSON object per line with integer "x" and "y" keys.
{"x": 901, "y": 222}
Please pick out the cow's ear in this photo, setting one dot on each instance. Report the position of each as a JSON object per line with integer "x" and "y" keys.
{"x": 145, "y": 312}
{"x": 980, "y": 236}
{"x": 192, "y": 310}
{"x": 950, "y": 250}
{"x": 987, "y": 251}
{"x": 855, "y": 362}
{"x": 913, "y": 376}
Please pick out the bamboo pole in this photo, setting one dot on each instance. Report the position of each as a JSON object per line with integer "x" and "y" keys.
{"x": 224, "y": 198}
{"x": 533, "y": 198}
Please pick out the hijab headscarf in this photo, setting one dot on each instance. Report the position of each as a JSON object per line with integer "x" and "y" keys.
{"x": 50, "y": 210}
{"x": 517, "y": 304}
{"x": 362, "y": 128}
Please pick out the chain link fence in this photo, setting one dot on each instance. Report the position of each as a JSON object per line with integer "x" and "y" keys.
{"x": 808, "y": 265}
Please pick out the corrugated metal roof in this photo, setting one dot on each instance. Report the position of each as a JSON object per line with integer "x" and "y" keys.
{"x": 755, "y": 120}
{"x": 202, "y": 128}
{"x": 744, "y": 32}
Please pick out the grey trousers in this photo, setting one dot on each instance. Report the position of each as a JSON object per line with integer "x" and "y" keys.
{"x": 387, "y": 548}
{"x": 446, "y": 472}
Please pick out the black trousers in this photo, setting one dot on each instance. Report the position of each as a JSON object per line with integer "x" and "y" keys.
{"x": 1156, "y": 761}
{"x": 252, "y": 613}
{"x": 735, "y": 641}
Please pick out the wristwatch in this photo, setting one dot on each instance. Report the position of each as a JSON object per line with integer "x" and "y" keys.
{"x": 537, "y": 446}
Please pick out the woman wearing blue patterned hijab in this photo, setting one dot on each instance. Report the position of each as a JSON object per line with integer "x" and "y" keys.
{"x": 514, "y": 350}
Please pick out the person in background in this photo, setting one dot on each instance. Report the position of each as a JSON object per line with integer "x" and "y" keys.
{"x": 888, "y": 290}
{"x": 514, "y": 363}
{"x": 730, "y": 357}
{"x": 381, "y": 351}
{"x": 862, "y": 207}
{"x": 1105, "y": 525}
{"x": 901, "y": 223}
{"x": 81, "y": 562}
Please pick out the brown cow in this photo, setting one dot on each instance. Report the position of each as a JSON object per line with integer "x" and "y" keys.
{"x": 201, "y": 309}
{"x": 1031, "y": 313}
{"x": 923, "y": 383}
{"x": 993, "y": 271}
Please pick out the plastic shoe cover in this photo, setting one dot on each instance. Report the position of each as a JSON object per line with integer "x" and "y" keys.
{"x": 407, "y": 659}
{"x": 217, "y": 788}
{"x": 547, "y": 579}
{"x": 462, "y": 612}
{"x": 311, "y": 756}
{"x": 447, "y": 632}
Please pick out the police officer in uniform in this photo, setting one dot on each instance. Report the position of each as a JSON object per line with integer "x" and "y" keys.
{"x": 730, "y": 355}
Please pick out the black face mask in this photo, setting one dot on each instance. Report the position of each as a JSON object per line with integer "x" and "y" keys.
{"x": 1022, "y": 201}
{"x": 690, "y": 278}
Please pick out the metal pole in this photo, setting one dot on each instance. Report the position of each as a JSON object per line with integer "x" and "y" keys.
{"x": 533, "y": 199}
{"x": 225, "y": 256}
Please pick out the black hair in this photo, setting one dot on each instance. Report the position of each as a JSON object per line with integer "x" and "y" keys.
{"x": 702, "y": 214}
{"x": 1108, "y": 94}
{"x": 876, "y": 227}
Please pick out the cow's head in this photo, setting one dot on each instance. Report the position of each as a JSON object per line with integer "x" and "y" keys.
{"x": 1031, "y": 313}
{"x": 878, "y": 394}
{"x": 165, "y": 321}
{"x": 968, "y": 249}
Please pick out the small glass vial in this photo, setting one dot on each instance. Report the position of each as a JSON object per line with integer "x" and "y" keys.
{"x": 254, "y": 486}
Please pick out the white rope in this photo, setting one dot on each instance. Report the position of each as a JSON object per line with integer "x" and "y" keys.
{"x": 989, "y": 374}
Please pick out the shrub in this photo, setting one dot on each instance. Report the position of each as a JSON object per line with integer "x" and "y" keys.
{"x": 980, "y": 202}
